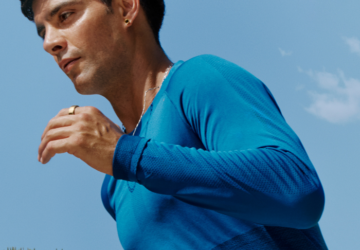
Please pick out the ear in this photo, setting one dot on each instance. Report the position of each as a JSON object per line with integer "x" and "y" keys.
{"x": 129, "y": 10}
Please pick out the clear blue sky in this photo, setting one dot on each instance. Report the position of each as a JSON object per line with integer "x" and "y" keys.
{"x": 306, "y": 52}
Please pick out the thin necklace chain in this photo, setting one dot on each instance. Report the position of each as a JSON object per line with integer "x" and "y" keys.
{"x": 158, "y": 87}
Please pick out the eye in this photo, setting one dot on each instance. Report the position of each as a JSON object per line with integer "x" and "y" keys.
{"x": 42, "y": 34}
{"x": 64, "y": 16}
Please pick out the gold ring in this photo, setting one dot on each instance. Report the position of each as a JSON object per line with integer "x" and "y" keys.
{"x": 72, "y": 109}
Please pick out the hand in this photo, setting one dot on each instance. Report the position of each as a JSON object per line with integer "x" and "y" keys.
{"x": 88, "y": 135}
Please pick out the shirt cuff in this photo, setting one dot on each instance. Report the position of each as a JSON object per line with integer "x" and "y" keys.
{"x": 126, "y": 157}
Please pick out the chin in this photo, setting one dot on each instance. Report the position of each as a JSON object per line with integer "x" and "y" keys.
{"x": 83, "y": 82}
{"x": 89, "y": 80}
{"x": 84, "y": 85}
{"x": 83, "y": 90}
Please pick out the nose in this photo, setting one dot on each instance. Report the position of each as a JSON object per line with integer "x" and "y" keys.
{"x": 54, "y": 42}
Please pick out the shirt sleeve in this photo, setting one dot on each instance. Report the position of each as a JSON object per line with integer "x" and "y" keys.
{"x": 253, "y": 166}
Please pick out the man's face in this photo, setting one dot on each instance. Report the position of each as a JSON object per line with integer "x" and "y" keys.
{"x": 85, "y": 40}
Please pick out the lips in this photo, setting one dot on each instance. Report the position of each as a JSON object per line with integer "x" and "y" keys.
{"x": 66, "y": 64}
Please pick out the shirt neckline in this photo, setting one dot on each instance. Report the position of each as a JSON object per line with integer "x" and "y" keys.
{"x": 157, "y": 98}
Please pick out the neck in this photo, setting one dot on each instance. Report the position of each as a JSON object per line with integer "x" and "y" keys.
{"x": 147, "y": 71}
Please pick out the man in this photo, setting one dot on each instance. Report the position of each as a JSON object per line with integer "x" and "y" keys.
{"x": 205, "y": 159}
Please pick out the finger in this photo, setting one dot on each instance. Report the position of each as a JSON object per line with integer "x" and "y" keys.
{"x": 54, "y": 134}
{"x": 54, "y": 147}
{"x": 58, "y": 122}
{"x": 78, "y": 110}
{"x": 64, "y": 112}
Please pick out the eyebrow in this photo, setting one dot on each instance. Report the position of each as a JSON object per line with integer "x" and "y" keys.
{"x": 54, "y": 11}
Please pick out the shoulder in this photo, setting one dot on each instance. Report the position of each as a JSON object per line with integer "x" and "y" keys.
{"x": 209, "y": 65}
{"x": 205, "y": 73}
{"x": 209, "y": 82}
{"x": 208, "y": 61}
{"x": 208, "y": 71}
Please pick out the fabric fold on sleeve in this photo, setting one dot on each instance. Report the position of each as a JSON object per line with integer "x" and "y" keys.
{"x": 126, "y": 157}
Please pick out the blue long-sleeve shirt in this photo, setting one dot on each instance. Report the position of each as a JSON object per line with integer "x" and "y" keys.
{"x": 213, "y": 164}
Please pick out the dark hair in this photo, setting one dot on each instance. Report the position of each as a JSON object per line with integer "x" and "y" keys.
{"x": 154, "y": 11}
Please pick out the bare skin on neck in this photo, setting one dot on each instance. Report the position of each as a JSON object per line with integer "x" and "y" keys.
{"x": 149, "y": 72}
{"x": 114, "y": 59}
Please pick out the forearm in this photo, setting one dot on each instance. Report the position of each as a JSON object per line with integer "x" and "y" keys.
{"x": 266, "y": 186}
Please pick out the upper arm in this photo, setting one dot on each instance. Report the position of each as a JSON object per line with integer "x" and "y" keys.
{"x": 229, "y": 108}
